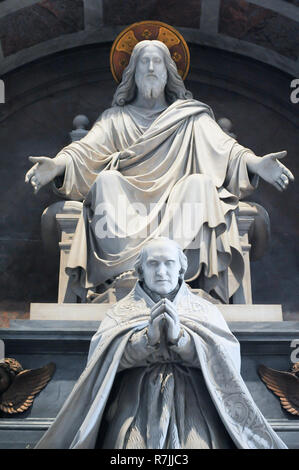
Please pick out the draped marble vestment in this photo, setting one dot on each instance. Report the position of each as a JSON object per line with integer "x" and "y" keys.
{"x": 132, "y": 395}
{"x": 143, "y": 173}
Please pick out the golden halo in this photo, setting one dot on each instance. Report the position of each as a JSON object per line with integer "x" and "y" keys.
{"x": 123, "y": 45}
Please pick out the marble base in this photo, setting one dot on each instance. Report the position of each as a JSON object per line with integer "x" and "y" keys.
{"x": 96, "y": 312}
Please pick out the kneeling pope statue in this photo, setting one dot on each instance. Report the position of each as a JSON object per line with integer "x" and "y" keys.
{"x": 163, "y": 372}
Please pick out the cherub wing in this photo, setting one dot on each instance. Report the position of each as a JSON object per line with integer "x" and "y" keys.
{"x": 285, "y": 385}
{"x": 20, "y": 395}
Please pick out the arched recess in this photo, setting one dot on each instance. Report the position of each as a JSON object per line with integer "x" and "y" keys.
{"x": 43, "y": 96}
{"x": 70, "y": 67}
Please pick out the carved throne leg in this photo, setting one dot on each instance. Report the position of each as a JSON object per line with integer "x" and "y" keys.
{"x": 67, "y": 224}
{"x": 244, "y": 294}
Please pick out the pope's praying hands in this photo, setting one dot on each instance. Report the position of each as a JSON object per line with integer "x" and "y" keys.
{"x": 163, "y": 336}
{"x": 164, "y": 320}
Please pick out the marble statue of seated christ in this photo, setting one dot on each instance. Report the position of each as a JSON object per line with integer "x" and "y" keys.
{"x": 160, "y": 150}
{"x": 163, "y": 372}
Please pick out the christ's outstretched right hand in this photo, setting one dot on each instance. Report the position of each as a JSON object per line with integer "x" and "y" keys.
{"x": 44, "y": 170}
{"x": 41, "y": 173}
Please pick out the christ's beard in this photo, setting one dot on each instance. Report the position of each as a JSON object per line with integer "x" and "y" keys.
{"x": 151, "y": 88}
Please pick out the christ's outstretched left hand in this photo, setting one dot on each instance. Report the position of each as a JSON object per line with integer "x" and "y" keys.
{"x": 272, "y": 170}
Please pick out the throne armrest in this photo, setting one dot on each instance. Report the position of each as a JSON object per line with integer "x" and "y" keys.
{"x": 51, "y": 229}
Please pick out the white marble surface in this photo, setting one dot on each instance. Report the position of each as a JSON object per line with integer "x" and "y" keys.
{"x": 96, "y": 312}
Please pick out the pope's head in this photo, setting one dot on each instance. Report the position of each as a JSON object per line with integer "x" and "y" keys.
{"x": 160, "y": 265}
{"x": 151, "y": 71}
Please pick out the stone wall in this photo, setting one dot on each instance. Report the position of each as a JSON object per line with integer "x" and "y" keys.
{"x": 266, "y": 30}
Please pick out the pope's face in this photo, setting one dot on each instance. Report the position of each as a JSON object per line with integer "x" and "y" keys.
{"x": 151, "y": 72}
{"x": 161, "y": 267}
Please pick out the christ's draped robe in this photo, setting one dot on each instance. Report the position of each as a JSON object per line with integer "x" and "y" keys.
{"x": 189, "y": 395}
{"x": 182, "y": 178}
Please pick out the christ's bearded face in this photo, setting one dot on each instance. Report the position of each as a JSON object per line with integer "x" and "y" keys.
{"x": 151, "y": 72}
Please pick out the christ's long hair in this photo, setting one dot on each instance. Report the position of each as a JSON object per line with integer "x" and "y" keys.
{"x": 174, "y": 90}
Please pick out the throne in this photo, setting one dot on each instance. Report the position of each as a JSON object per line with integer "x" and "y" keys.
{"x": 60, "y": 219}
